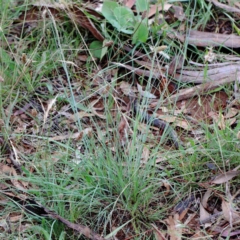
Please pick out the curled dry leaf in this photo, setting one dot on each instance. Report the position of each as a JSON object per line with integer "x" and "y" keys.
{"x": 204, "y": 214}
{"x": 224, "y": 177}
{"x": 205, "y": 198}
{"x": 229, "y": 213}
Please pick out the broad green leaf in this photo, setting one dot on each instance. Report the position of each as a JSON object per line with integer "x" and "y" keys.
{"x": 142, "y": 5}
{"x": 125, "y": 18}
{"x": 108, "y": 9}
{"x": 97, "y": 50}
{"x": 141, "y": 33}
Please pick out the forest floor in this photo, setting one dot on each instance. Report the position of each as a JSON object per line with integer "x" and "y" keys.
{"x": 120, "y": 120}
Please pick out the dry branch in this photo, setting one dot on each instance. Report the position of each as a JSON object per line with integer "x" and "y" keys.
{"x": 206, "y": 39}
{"x": 199, "y": 89}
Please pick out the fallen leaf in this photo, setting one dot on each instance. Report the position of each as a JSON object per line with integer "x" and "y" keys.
{"x": 94, "y": 109}
{"x": 158, "y": 7}
{"x": 122, "y": 130}
{"x": 205, "y": 198}
{"x": 218, "y": 118}
{"x": 224, "y": 177}
{"x": 231, "y": 112}
{"x": 145, "y": 154}
{"x": 204, "y": 214}
{"x": 78, "y": 136}
{"x": 10, "y": 173}
{"x": 229, "y": 213}
{"x": 178, "y": 12}
{"x": 127, "y": 89}
{"x": 129, "y": 3}
{"x": 145, "y": 93}
{"x": 174, "y": 227}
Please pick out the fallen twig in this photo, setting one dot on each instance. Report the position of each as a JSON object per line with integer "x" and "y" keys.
{"x": 198, "y": 90}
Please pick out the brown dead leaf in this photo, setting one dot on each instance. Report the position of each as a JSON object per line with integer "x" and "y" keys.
{"x": 145, "y": 154}
{"x": 178, "y": 12}
{"x": 10, "y": 173}
{"x": 174, "y": 228}
{"x": 78, "y": 136}
{"x": 1, "y": 79}
{"x": 225, "y": 177}
{"x": 122, "y": 130}
{"x": 229, "y": 213}
{"x": 95, "y": 110}
{"x": 127, "y": 89}
{"x": 218, "y": 118}
{"x": 76, "y": 116}
{"x": 78, "y": 16}
{"x": 230, "y": 121}
{"x": 16, "y": 218}
{"x": 129, "y": 3}
{"x": 204, "y": 214}
{"x": 231, "y": 112}
{"x": 205, "y": 198}
{"x": 158, "y": 7}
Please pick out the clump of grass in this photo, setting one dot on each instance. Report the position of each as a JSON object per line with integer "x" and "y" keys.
{"x": 97, "y": 181}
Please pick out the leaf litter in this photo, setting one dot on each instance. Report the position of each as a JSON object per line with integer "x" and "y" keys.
{"x": 30, "y": 118}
